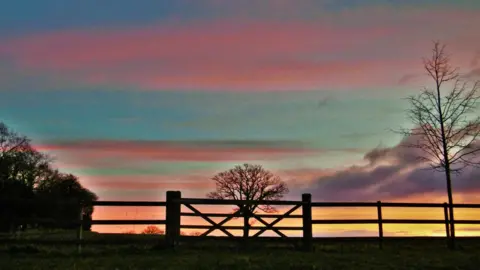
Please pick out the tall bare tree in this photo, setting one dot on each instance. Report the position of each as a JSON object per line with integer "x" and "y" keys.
{"x": 249, "y": 182}
{"x": 447, "y": 124}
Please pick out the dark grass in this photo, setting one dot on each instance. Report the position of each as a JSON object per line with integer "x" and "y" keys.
{"x": 354, "y": 253}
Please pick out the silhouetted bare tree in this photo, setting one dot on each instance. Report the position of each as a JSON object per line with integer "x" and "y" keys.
{"x": 152, "y": 229}
{"x": 448, "y": 126}
{"x": 249, "y": 182}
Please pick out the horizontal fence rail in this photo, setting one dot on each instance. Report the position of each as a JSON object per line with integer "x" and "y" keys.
{"x": 240, "y": 227}
{"x": 126, "y": 222}
{"x": 128, "y": 203}
{"x": 174, "y": 203}
{"x": 391, "y": 204}
{"x": 238, "y": 215}
{"x": 391, "y": 221}
{"x": 235, "y": 202}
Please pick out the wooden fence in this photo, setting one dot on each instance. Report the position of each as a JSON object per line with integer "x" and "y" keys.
{"x": 174, "y": 203}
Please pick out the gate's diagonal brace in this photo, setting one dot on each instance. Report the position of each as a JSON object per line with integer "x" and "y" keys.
{"x": 270, "y": 226}
{"x": 266, "y": 224}
{"x": 215, "y": 225}
{"x": 253, "y": 215}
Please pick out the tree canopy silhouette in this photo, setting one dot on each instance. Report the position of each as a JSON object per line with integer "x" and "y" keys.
{"x": 27, "y": 174}
{"x": 447, "y": 125}
{"x": 61, "y": 187}
{"x": 152, "y": 229}
{"x": 249, "y": 182}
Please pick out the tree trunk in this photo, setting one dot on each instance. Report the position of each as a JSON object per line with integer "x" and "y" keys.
{"x": 450, "y": 206}
{"x": 446, "y": 160}
{"x": 246, "y": 225}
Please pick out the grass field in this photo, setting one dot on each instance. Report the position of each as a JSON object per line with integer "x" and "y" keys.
{"x": 144, "y": 252}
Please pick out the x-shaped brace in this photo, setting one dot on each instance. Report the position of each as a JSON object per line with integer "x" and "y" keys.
{"x": 253, "y": 215}
{"x": 270, "y": 226}
{"x": 215, "y": 225}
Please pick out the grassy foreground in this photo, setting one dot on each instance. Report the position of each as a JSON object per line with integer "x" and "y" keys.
{"x": 397, "y": 254}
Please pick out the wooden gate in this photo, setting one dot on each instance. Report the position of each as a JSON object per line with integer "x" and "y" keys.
{"x": 174, "y": 223}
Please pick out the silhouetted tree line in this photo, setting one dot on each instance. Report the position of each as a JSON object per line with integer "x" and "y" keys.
{"x": 26, "y": 175}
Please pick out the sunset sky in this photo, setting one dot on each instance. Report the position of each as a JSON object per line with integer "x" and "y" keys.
{"x": 140, "y": 97}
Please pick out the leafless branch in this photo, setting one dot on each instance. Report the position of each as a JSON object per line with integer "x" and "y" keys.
{"x": 446, "y": 132}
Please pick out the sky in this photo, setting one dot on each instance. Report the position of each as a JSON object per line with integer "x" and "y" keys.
{"x": 140, "y": 97}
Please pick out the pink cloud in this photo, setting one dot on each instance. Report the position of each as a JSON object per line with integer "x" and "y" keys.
{"x": 187, "y": 182}
{"x": 219, "y": 42}
{"x": 110, "y": 152}
{"x": 149, "y": 185}
{"x": 357, "y": 52}
{"x": 221, "y": 55}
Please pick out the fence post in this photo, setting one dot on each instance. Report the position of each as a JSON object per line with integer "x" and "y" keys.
{"x": 307, "y": 221}
{"x": 80, "y": 231}
{"x": 447, "y": 223}
{"x": 172, "y": 225}
{"x": 380, "y": 224}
